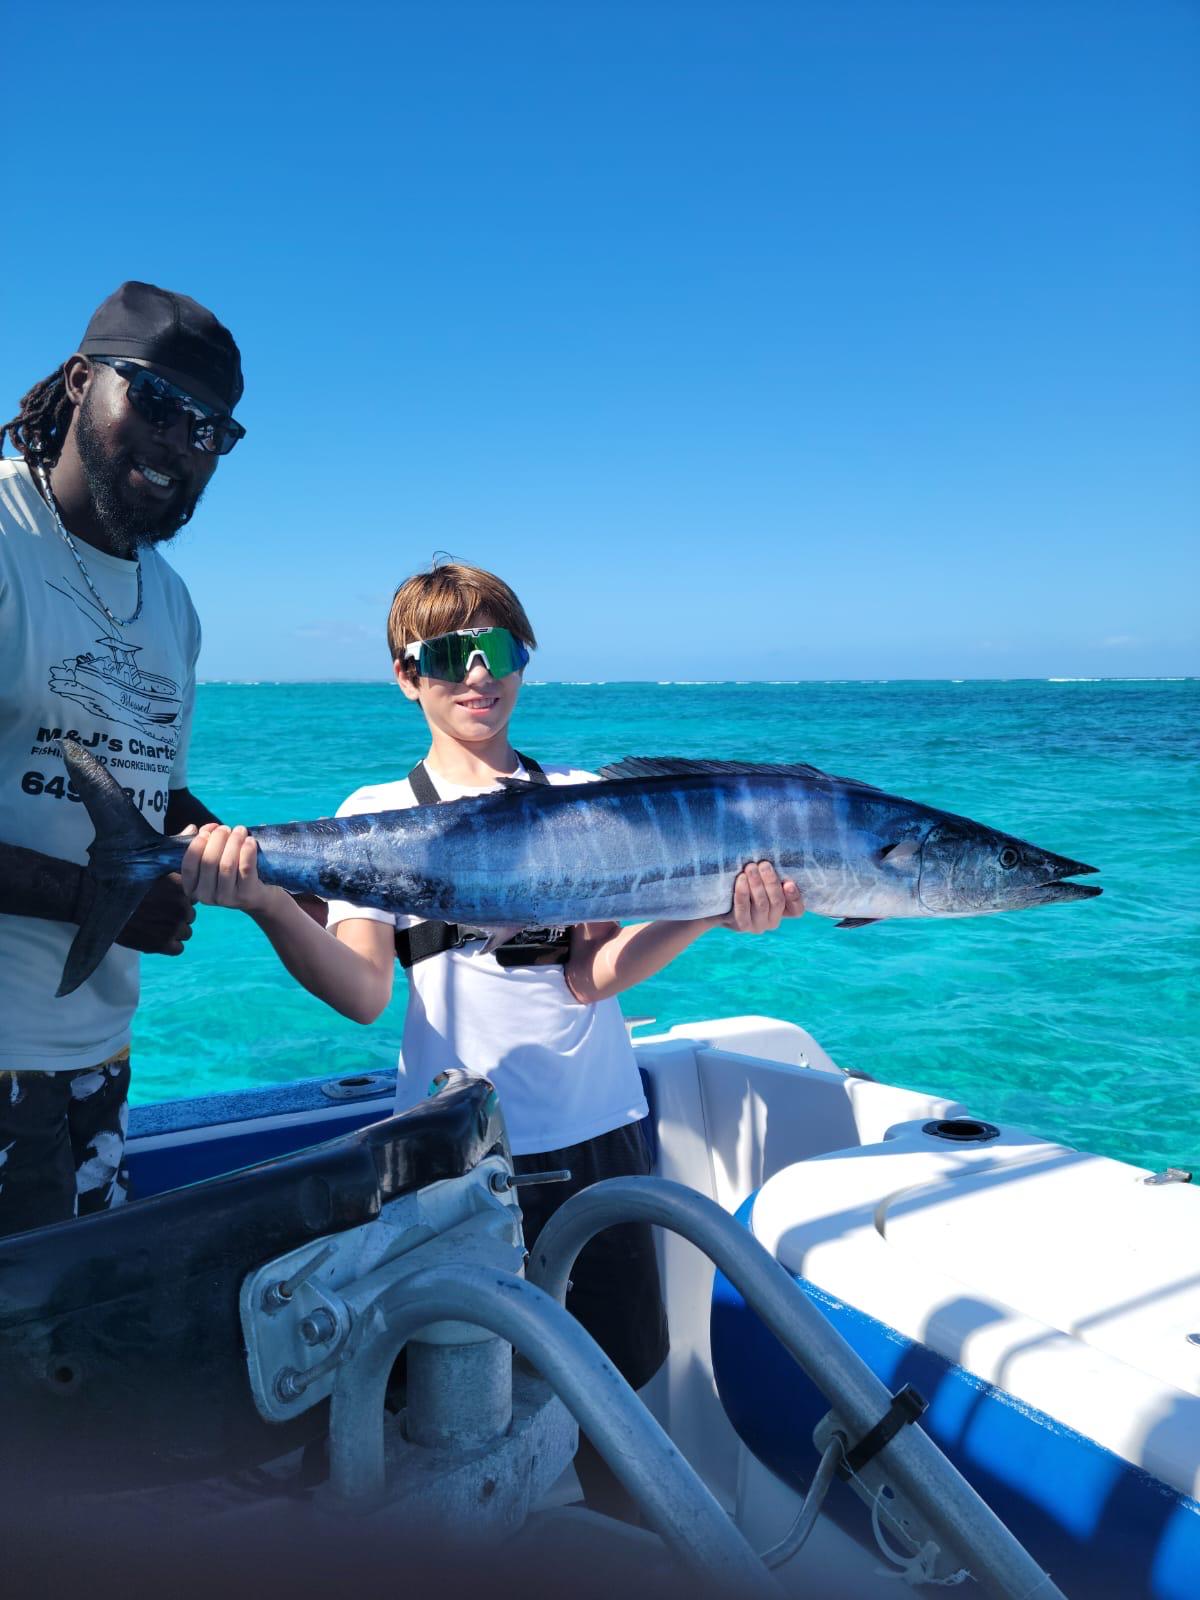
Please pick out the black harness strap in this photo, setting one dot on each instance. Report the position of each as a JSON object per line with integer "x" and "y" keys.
{"x": 421, "y": 785}
{"x": 431, "y": 938}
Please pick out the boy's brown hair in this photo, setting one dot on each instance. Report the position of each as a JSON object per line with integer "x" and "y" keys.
{"x": 448, "y": 597}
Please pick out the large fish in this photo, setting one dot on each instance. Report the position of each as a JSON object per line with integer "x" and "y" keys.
{"x": 654, "y": 838}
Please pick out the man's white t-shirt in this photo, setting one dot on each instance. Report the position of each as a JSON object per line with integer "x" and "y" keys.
{"x": 126, "y": 694}
{"x": 564, "y": 1072}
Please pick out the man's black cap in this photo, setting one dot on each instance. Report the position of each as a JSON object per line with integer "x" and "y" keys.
{"x": 175, "y": 334}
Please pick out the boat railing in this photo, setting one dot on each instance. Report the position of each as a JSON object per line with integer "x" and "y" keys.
{"x": 863, "y": 1407}
{"x": 673, "y": 1498}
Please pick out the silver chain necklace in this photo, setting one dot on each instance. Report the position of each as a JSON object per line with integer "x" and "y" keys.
{"x": 117, "y": 622}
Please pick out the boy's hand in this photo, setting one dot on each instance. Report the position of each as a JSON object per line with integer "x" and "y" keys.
{"x": 221, "y": 869}
{"x": 760, "y": 900}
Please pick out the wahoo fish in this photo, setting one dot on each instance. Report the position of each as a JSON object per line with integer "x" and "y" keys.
{"x": 653, "y": 838}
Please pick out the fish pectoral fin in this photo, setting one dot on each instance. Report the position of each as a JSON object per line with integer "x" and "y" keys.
{"x": 896, "y": 855}
{"x": 857, "y": 922}
{"x": 518, "y": 783}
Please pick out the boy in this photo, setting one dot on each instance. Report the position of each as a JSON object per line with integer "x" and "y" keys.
{"x": 538, "y": 1017}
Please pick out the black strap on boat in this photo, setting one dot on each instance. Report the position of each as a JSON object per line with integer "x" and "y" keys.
{"x": 906, "y": 1406}
{"x": 432, "y": 938}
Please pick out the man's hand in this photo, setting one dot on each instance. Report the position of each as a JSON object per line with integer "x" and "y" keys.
{"x": 162, "y": 924}
{"x": 760, "y": 900}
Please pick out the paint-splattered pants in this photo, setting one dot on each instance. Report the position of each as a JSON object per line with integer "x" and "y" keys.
{"x": 62, "y": 1137}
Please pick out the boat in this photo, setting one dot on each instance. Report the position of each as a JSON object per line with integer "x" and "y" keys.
{"x": 114, "y": 686}
{"x": 912, "y": 1344}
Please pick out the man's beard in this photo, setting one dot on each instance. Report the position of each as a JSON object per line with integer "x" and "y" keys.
{"x": 129, "y": 527}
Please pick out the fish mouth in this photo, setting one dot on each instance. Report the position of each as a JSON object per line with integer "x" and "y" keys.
{"x": 1057, "y": 892}
{"x": 1057, "y": 889}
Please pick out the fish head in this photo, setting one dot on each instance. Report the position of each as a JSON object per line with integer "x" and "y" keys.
{"x": 967, "y": 870}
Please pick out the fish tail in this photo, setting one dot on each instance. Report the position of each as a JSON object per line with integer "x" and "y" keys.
{"x": 125, "y": 858}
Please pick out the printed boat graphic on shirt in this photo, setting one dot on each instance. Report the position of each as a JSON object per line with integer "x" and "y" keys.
{"x": 114, "y": 686}
{"x": 111, "y": 684}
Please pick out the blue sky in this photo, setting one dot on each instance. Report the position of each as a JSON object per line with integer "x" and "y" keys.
{"x": 746, "y": 340}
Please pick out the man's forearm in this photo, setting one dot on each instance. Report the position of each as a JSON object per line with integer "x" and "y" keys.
{"x": 34, "y": 885}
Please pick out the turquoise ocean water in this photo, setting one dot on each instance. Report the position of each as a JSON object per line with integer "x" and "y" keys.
{"x": 1079, "y": 1022}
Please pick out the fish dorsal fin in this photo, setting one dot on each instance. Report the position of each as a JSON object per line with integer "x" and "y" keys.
{"x": 686, "y": 766}
{"x": 519, "y": 784}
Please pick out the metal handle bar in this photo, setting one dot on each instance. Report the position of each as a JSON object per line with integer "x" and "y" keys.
{"x": 676, "y": 1502}
{"x": 961, "y": 1519}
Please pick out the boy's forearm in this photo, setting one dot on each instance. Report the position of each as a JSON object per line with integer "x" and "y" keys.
{"x": 599, "y": 969}
{"x": 319, "y": 962}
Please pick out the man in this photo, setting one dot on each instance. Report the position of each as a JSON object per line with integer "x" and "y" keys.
{"x": 98, "y": 642}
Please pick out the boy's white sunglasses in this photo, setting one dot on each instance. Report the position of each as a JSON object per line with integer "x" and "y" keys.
{"x": 450, "y": 656}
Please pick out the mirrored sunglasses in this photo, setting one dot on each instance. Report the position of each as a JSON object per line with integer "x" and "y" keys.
{"x": 451, "y": 655}
{"x": 161, "y": 404}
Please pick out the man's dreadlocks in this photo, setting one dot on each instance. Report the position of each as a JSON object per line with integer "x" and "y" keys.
{"x": 40, "y": 426}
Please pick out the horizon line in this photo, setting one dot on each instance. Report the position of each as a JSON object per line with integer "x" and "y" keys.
{"x": 700, "y": 683}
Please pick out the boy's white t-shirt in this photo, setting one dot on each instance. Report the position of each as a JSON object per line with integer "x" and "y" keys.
{"x": 564, "y": 1071}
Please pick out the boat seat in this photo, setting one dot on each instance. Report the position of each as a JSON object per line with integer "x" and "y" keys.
{"x": 1038, "y": 1298}
{"x": 121, "y": 1356}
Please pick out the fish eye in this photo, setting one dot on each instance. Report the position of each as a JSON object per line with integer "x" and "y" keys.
{"x": 1009, "y": 857}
